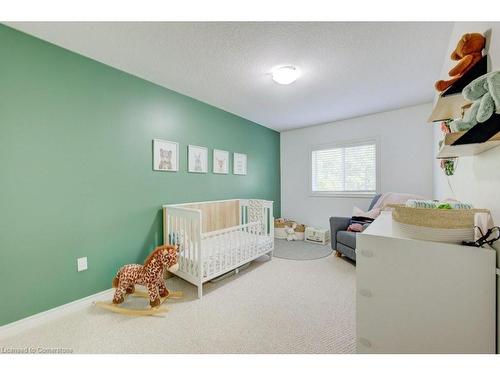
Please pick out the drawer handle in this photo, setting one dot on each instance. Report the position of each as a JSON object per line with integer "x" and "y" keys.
{"x": 365, "y": 293}
{"x": 367, "y": 253}
{"x": 364, "y": 342}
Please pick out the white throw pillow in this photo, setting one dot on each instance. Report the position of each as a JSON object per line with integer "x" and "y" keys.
{"x": 372, "y": 214}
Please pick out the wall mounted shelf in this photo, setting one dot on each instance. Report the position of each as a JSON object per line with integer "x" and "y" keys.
{"x": 448, "y": 107}
{"x": 450, "y": 102}
{"x": 450, "y": 149}
{"x": 482, "y": 132}
{"x": 481, "y": 68}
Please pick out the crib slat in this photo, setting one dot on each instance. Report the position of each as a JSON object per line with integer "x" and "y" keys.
{"x": 185, "y": 240}
{"x": 190, "y": 244}
{"x": 246, "y": 252}
{"x": 193, "y": 245}
{"x": 176, "y": 234}
{"x": 197, "y": 240}
{"x": 214, "y": 255}
{"x": 220, "y": 251}
{"x": 185, "y": 237}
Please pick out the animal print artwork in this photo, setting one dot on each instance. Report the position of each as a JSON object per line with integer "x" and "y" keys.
{"x": 165, "y": 155}
{"x": 221, "y": 164}
{"x": 197, "y": 163}
{"x": 149, "y": 274}
{"x": 221, "y": 159}
{"x": 197, "y": 159}
{"x": 165, "y": 159}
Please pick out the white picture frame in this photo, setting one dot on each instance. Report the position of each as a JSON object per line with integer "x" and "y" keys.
{"x": 197, "y": 159}
{"x": 165, "y": 155}
{"x": 239, "y": 163}
{"x": 220, "y": 162}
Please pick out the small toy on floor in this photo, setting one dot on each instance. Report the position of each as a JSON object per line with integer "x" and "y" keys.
{"x": 290, "y": 232}
{"x": 150, "y": 275}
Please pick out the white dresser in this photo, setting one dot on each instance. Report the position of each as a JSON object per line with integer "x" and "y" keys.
{"x": 422, "y": 297}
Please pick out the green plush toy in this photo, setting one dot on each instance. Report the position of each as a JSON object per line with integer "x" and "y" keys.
{"x": 444, "y": 206}
{"x": 484, "y": 92}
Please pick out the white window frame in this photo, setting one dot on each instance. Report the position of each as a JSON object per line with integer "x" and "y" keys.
{"x": 350, "y": 143}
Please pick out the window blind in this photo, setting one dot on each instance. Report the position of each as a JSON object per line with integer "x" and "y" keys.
{"x": 341, "y": 169}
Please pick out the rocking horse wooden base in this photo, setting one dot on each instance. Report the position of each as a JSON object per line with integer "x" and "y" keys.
{"x": 173, "y": 295}
{"x": 130, "y": 312}
{"x": 139, "y": 312}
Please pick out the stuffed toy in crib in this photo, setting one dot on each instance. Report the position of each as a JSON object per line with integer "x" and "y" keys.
{"x": 150, "y": 275}
{"x": 484, "y": 92}
{"x": 468, "y": 52}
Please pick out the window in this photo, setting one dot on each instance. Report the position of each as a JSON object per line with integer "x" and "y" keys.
{"x": 344, "y": 169}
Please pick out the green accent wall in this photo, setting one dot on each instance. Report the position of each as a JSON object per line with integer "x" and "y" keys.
{"x": 76, "y": 175}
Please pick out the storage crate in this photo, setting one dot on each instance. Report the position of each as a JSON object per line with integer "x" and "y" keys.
{"x": 317, "y": 235}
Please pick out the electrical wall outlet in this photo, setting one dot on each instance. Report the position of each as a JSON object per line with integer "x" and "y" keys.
{"x": 81, "y": 264}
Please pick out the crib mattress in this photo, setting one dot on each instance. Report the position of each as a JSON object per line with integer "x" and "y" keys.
{"x": 222, "y": 253}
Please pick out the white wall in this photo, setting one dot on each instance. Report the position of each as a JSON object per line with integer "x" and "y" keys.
{"x": 406, "y": 153}
{"x": 477, "y": 178}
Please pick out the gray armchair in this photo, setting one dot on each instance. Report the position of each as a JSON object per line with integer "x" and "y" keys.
{"x": 344, "y": 242}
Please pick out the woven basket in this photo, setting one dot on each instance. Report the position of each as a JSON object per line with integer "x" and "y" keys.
{"x": 289, "y": 223}
{"x": 301, "y": 228}
{"x": 435, "y": 218}
{"x": 278, "y": 224}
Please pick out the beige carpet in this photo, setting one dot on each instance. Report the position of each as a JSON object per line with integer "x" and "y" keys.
{"x": 277, "y": 306}
{"x": 300, "y": 250}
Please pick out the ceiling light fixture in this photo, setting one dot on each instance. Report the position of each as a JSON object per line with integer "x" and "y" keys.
{"x": 284, "y": 75}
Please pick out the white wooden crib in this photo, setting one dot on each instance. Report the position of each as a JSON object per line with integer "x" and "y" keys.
{"x": 216, "y": 237}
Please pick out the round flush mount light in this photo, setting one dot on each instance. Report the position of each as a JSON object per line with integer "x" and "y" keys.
{"x": 284, "y": 75}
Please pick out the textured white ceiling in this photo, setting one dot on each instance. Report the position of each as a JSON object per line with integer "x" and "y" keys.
{"x": 348, "y": 69}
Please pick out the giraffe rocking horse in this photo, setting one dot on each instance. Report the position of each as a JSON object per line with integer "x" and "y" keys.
{"x": 150, "y": 275}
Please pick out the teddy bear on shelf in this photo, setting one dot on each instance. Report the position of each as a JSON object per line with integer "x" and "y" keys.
{"x": 290, "y": 232}
{"x": 468, "y": 52}
{"x": 484, "y": 92}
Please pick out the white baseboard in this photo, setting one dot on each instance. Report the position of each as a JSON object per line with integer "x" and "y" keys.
{"x": 19, "y": 326}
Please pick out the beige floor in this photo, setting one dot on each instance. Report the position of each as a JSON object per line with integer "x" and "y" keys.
{"x": 278, "y": 306}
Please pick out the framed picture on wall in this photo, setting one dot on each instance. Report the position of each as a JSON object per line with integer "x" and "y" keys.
{"x": 165, "y": 155}
{"x": 221, "y": 162}
{"x": 197, "y": 159}
{"x": 239, "y": 163}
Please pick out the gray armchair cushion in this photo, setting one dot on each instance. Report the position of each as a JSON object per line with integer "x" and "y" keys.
{"x": 336, "y": 224}
{"x": 347, "y": 238}
{"x": 374, "y": 200}
{"x": 341, "y": 239}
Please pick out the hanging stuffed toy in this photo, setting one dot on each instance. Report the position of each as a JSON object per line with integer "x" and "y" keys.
{"x": 447, "y": 165}
{"x": 484, "y": 92}
{"x": 468, "y": 52}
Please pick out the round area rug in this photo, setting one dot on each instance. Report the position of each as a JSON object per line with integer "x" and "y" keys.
{"x": 300, "y": 250}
